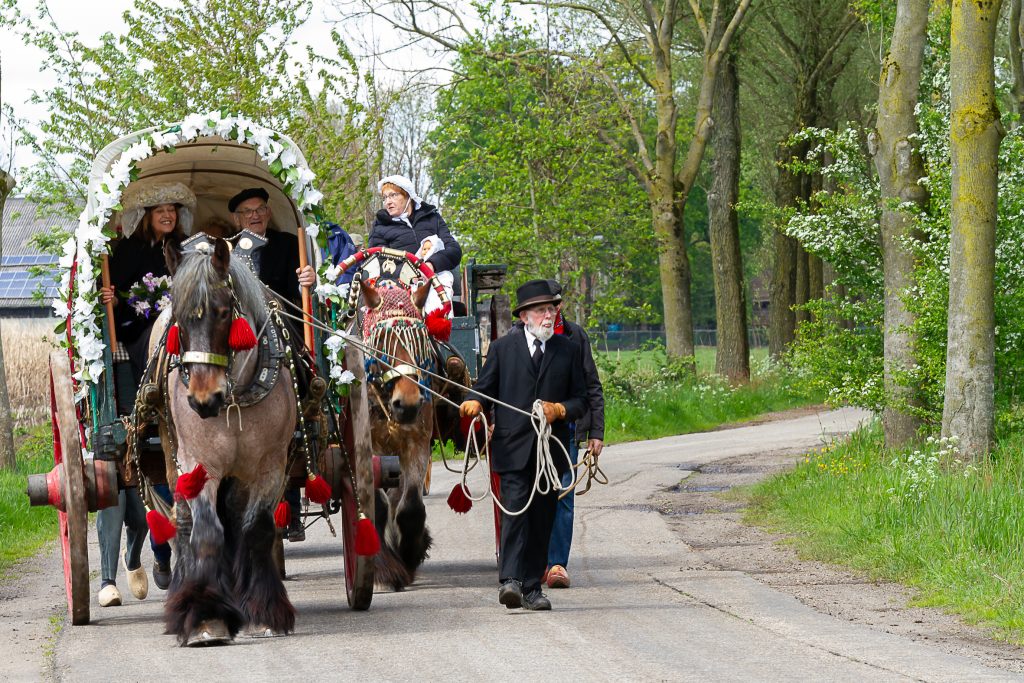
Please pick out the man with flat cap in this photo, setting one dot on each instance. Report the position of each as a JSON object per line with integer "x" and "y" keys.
{"x": 527, "y": 364}
{"x": 277, "y": 264}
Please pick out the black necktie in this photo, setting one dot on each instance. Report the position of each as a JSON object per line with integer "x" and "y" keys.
{"x": 538, "y": 353}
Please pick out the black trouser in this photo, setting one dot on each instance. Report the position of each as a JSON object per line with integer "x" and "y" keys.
{"x": 525, "y": 537}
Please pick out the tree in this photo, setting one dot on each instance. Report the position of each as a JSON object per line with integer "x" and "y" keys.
{"x": 7, "y": 184}
{"x": 193, "y": 58}
{"x": 975, "y": 133}
{"x": 732, "y": 352}
{"x": 642, "y": 41}
{"x": 900, "y": 171}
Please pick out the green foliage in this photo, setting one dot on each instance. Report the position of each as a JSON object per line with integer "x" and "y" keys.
{"x": 919, "y": 516}
{"x": 24, "y": 529}
{"x": 195, "y": 57}
{"x": 526, "y": 180}
{"x": 648, "y": 396}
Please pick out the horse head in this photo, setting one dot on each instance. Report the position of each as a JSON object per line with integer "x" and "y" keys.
{"x": 394, "y": 327}
{"x": 208, "y": 290}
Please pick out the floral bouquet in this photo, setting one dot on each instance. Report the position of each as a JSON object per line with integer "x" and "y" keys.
{"x": 150, "y": 295}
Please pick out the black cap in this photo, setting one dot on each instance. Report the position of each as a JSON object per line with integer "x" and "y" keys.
{"x": 536, "y": 292}
{"x": 248, "y": 193}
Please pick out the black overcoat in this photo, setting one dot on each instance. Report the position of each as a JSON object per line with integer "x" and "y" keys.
{"x": 426, "y": 221}
{"x": 508, "y": 375}
{"x": 133, "y": 258}
{"x": 278, "y": 261}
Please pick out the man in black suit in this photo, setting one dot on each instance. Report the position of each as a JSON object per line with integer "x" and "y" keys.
{"x": 277, "y": 264}
{"x": 528, "y": 364}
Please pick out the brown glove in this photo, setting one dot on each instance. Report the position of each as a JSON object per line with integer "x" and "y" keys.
{"x": 553, "y": 411}
{"x": 470, "y": 408}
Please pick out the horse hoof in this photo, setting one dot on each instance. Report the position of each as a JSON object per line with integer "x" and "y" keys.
{"x": 209, "y": 633}
{"x": 261, "y": 631}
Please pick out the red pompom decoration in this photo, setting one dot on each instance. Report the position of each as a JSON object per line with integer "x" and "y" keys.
{"x": 438, "y": 325}
{"x": 459, "y": 501}
{"x": 160, "y": 528}
{"x": 318, "y": 490}
{"x": 241, "y": 337}
{"x": 173, "y": 343}
{"x": 190, "y": 484}
{"x": 367, "y": 540}
{"x": 282, "y": 515}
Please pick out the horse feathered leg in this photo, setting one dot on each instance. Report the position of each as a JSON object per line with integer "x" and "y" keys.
{"x": 200, "y": 598}
{"x": 414, "y": 539}
{"x": 261, "y": 593}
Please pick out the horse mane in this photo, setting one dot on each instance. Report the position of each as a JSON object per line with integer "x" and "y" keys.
{"x": 196, "y": 279}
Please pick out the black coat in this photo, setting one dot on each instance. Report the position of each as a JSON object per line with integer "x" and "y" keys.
{"x": 508, "y": 375}
{"x": 426, "y": 221}
{"x": 591, "y": 425}
{"x": 278, "y": 261}
{"x": 133, "y": 258}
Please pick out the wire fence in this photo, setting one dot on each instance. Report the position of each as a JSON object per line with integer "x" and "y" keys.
{"x": 627, "y": 340}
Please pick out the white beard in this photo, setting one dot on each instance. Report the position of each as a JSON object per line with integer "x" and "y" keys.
{"x": 540, "y": 331}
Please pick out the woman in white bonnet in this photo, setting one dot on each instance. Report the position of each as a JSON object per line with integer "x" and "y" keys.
{"x": 407, "y": 223}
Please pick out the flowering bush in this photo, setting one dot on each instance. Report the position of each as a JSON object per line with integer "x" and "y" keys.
{"x": 149, "y": 296}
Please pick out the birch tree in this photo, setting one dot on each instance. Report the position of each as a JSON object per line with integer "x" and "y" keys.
{"x": 975, "y": 134}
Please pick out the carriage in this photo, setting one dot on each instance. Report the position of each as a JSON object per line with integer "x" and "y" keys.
{"x": 216, "y": 155}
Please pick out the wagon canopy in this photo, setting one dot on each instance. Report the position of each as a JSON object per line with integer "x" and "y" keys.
{"x": 216, "y": 155}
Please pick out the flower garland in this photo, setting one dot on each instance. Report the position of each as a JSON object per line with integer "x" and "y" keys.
{"x": 90, "y": 240}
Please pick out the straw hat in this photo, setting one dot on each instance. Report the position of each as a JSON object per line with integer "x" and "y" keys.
{"x": 137, "y": 198}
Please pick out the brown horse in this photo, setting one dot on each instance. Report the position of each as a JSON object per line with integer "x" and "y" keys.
{"x": 224, "y": 576}
{"x": 401, "y": 423}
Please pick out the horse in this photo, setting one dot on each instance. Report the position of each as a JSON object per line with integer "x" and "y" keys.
{"x": 401, "y": 423}
{"x": 225, "y": 577}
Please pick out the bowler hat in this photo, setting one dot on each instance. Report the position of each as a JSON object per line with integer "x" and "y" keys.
{"x": 248, "y": 193}
{"x": 535, "y": 292}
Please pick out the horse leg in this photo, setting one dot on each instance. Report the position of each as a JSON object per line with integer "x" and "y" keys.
{"x": 261, "y": 593}
{"x": 199, "y": 609}
{"x": 414, "y": 539}
{"x": 389, "y": 570}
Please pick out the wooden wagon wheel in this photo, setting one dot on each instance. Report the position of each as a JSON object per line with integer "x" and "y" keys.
{"x": 67, "y": 450}
{"x": 358, "y": 569}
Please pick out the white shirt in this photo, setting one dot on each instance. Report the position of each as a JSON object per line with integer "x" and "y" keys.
{"x": 529, "y": 342}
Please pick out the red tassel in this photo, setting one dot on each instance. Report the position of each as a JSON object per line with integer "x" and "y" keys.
{"x": 318, "y": 490}
{"x": 190, "y": 484}
{"x": 173, "y": 343}
{"x": 438, "y": 325}
{"x": 160, "y": 528}
{"x": 459, "y": 501}
{"x": 367, "y": 540}
{"x": 241, "y": 337}
{"x": 282, "y": 515}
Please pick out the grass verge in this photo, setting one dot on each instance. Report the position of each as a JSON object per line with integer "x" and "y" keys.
{"x": 953, "y": 531}
{"x": 647, "y": 396}
{"x": 24, "y": 529}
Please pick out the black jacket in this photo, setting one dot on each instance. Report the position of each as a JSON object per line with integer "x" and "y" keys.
{"x": 508, "y": 375}
{"x": 591, "y": 425}
{"x": 133, "y": 258}
{"x": 278, "y": 261}
{"x": 426, "y": 221}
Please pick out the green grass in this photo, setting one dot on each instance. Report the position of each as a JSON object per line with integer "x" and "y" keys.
{"x": 954, "y": 532}
{"x": 24, "y": 529}
{"x": 647, "y": 397}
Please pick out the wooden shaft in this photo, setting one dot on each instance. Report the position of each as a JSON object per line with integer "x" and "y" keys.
{"x": 307, "y": 303}
{"x": 111, "y": 325}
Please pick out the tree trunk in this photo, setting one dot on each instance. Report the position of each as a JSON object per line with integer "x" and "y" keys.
{"x": 815, "y": 278}
{"x": 899, "y": 169}
{"x": 975, "y": 132}
{"x": 732, "y": 352}
{"x": 802, "y": 291}
{"x": 782, "y": 293}
{"x": 7, "y": 456}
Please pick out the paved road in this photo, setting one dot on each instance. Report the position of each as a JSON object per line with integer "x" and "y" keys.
{"x": 635, "y": 612}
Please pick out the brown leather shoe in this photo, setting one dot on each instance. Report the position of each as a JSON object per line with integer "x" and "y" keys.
{"x": 557, "y": 577}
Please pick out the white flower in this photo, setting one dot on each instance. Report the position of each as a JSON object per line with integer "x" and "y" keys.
{"x": 68, "y": 258}
{"x": 137, "y": 152}
{"x": 313, "y": 230}
{"x": 347, "y": 377}
{"x": 288, "y": 158}
{"x": 192, "y": 124}
{"x": 332, "y": 273}
{"x": 326, "y": 289}
{"x": 60, "y": 308}
{"x": 311, "y": 198}
{"x": 306, "y": 176}
{"x": 334, "y": 343}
